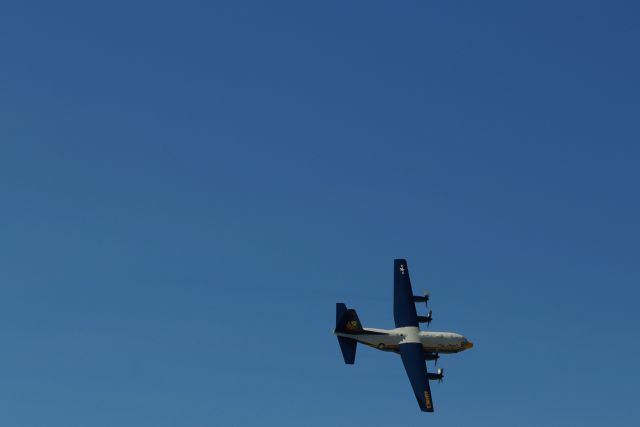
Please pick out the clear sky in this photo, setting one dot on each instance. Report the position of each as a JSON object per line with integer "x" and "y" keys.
{"x": 188, "y": 188}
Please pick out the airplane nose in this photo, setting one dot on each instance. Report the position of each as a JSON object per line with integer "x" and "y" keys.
{"x": 468, "y": 345}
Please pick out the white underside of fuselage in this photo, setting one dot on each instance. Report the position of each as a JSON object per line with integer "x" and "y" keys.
{"x": 391, "y": 339}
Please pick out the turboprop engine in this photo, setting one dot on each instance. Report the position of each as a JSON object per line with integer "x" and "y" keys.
{"x": 432, "y": 356}
{"x": 437, "y": 376}
{"x": 426, "y": 319}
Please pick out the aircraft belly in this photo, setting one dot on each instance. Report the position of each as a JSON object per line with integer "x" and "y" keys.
{"x": 376, "y": 340}
{"x": 438, "y": 346}
{"x": 444, "y": 350}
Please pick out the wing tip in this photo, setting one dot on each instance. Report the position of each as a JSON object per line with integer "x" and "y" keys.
{"x": 426, "y": 405}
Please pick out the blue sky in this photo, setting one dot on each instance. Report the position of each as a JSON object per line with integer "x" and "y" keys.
{"x": 187, "y": 188}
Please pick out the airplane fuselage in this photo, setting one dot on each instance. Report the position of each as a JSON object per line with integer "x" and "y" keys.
{"x": 390, "y": 339}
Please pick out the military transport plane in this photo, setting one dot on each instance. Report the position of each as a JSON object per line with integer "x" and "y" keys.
{"x": 413, "y": 345}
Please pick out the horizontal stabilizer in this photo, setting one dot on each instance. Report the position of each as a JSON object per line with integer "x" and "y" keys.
{"x": 348, "y": 347}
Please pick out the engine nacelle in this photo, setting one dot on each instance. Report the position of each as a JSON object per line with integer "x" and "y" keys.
{"x": 431, "y": 356}
{"x": 424, "y": 298}
{"x": 426, "y": 319}
{"x": 438, "y": 376}
{"x": 421, "y": 298}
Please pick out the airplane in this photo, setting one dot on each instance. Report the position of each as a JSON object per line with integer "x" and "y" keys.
{"x": 414, "y": 346}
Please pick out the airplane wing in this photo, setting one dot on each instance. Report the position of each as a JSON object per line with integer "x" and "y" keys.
{"x": 413, "y": 361}
{"x": 404, "y": 314}
{"x": 404, "y": 309}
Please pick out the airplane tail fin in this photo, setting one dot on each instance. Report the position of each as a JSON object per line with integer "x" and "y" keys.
{"x": 347, "y": 322}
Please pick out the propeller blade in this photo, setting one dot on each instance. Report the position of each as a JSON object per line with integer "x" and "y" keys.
{"x": 425, "y": 294}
